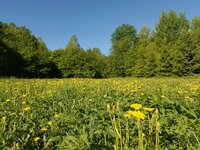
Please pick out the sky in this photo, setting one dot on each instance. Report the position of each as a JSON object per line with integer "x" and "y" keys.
{"x": 92, "y": 21}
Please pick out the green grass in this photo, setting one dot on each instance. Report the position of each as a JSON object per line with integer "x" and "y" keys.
{"x": 78, "y": 111}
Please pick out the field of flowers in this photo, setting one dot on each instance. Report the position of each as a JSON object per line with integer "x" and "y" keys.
{"x": 100, "y": 114}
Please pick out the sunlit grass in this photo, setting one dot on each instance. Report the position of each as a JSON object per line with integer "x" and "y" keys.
{"x": 121, "y": 113}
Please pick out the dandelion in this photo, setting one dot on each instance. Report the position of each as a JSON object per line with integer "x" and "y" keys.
{"x": 44, "y": 129}
{"x": 56, "y": 116}
{"x": 4, "y": 118}
{"x": 163, "y": 96}
{"x": 23, "y": 103}
{"x": 126, "y": 115}
{"x": 49, "y": 92}
{"x": 49, "y": 123}
{"x": 149, "y": 109}
{"x": 143, "y": 135}
{"x": 136, "y": 106}
{"x": 27, "y": 108}
{"x": 36, "y": 139}
{"x": 8, "y": 100}
{"x": 138, "y": 114}
{"x": 108, "y": 107}
{"x": 23, "y": 96}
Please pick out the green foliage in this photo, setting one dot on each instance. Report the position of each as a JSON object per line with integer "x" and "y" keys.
{"x": 168, "y": 30}
{"x": 173, "y": 49}
{"x": 89, "y": 113}
{"x": 72, "y": 60}
{"x": 123, "y": 40}
{"x": 94, "y": 64}
{"x": 19, "y": 41}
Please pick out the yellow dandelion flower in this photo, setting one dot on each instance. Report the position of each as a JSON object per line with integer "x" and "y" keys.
{"x": 136, "y": 106}
{"x": 49, "y": 92}
{"x": 137, "y": 114}
{"x": 24, "y": 95}
{"x": 129, "y": 112}
{"x": 126, "y": 115}
{"x": 36, "y": 139}
{"x": 163, "y": 96}
{"x": 49, "y": 123}
{"x": 4, "y": 118}
{"x": 56, "y": 116}
{"x": 149, "y": 109}
{"x": 44, "y": 129}
{"x": 8, "y": 100}
{"x": 27, "y": 108}
{"x": 23, "y": 103}
{"x": 108, "y": 107}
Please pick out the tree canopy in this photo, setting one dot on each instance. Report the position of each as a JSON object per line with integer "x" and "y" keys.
{"x": 172, "y": 49}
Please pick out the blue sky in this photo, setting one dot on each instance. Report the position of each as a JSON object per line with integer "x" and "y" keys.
{"x": 93, "y": 21}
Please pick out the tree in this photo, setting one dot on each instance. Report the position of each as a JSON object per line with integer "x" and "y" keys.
{"x": 94, "y": 64}
{"x": 147, "y": 55}
{"x": 11, "y": 62}
{"x": 195, "y": 25}
{"x": 136, "y": 58}
{"x": 73, "y": 43}
{"x": 123, "y": 40}
{"x": 168, "y": 30}
{"x": 195, "y": 44}
{"x": 72, "y": 60}
{"x": 32, "y": 50}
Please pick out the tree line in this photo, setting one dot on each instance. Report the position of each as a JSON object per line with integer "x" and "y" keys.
{"x": 171, "y": 49}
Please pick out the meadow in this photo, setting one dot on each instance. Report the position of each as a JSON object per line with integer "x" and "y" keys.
{"x": 100, "y": 114}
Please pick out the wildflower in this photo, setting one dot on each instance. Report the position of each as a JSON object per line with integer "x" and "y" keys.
{"x": 23, "y": 103}
{"x": 136, "y": 106}
{"x": 27, "y": 108}
{"x": 8, "y": 100}
{"x": 149, "y": 109}
{"x": 163, "y": 96}
{"x": 49, "y": 92}
{"x": 108, "y": 107}
{"x": 36, "y": 139}
{"x": 24, "y": 95}
{"x": 4, "y": 118}
{"x": 143, "y": 135}
{"x": 49, "y": 123}
{"x": 44, "y": 129}
{"x": 56, "y": 116}
{"x": 137, "y": 114}
{"x": 127, "y": 115}
{"x": 132, "y": 91}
